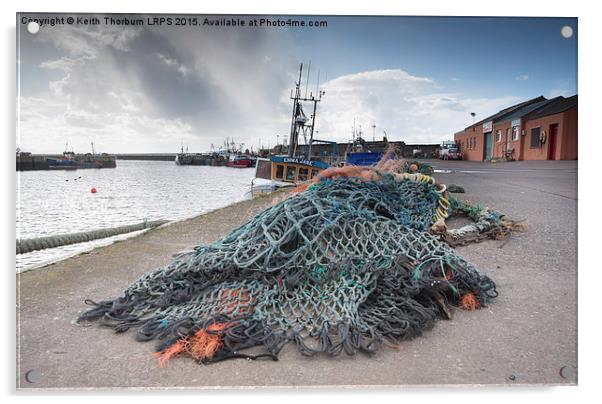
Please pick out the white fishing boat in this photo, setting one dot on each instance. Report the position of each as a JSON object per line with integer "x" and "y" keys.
{"x": 297, "y": 166}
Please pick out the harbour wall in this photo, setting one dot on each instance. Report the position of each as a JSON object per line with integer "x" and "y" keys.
{"x": 147, "y": 156}
{"x": 29, "y": 162}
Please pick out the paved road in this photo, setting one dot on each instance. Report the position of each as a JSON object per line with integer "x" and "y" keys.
{"x": 525, "y": 337}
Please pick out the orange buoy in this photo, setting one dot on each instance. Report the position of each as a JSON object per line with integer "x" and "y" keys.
{"x": 93, "y": 190}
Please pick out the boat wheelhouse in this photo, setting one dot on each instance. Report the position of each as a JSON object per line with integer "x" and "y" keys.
{"x": 285, "y": 171}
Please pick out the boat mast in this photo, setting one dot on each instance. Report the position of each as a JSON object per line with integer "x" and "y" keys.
{"x": 296, "y": 123}
{"x": 294, "y": 134}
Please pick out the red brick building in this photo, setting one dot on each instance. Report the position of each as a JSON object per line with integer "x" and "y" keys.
{"x": 537, "y": 129}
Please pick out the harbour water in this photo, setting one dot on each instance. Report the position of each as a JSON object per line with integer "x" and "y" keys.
{"x": 61, "y": 202}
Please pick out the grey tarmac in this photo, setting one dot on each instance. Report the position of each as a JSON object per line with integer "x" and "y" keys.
{"x": 528, "y": 335}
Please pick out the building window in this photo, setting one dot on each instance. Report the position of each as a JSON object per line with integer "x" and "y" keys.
{"x": 515, "y": 133}
{"x": 470, "y": 144}
{"x": 474, "y": 142}
{"x": 498, "y": 136}
{"x": 535, "y": 137}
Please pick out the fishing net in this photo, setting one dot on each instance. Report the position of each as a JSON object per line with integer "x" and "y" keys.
{"x": 345, "y": 264}
{"x": 487, "y": 224}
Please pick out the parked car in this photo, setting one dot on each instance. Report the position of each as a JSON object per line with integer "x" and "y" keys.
{"x": 450, "y": 154}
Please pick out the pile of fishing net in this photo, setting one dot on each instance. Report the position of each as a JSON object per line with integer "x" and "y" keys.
{"x": 347, "y": 263}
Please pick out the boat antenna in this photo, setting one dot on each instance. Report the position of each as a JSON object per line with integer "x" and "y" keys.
{"x": 313, "y": 118}
{"x": 307, "y": 80}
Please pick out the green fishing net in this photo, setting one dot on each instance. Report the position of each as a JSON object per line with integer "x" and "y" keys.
{"x": 346, "y": 265}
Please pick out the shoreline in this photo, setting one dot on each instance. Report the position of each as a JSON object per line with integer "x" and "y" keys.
{"x": 104, "y": 242}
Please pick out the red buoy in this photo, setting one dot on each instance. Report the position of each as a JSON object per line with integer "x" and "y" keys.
{"x": 93, "y": 190}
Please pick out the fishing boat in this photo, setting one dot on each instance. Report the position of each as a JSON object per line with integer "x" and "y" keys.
{"x": 72, "y": 161}
{"x": 297, "y": 165}
{"x": 91, "y": 160}
{"x": 359, "y": 153}
{"x": 187, "y": 159}
{"x": 230, "y": 155}
{"x": 68, "y": 162}
{"x": 240, "y": 161}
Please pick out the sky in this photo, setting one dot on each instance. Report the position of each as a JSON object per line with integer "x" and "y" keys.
{"x": 150, "y": 88}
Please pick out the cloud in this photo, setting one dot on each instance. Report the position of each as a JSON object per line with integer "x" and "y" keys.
{"x": 407, "y": 107}
{"x": 455, "y": 79}
{"x": 97, "y": 98}
{"x": 66, "y": 64}
{"x": 556, "y": 92}
{"x": 87, "y": 41}
{"x": 144, "y": 89}
{"x": 179, "y": 67}
{"x": 522, "y": 77}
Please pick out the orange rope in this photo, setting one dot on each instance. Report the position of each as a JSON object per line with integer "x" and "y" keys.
{"x": 231, "y": 301}
{"x": 165, "y": 355}
{"x": 201, "y": 345}
{"x": 204, "y": 345}
{"x": 469, "y": 302}
{"x": 301, "y": 187}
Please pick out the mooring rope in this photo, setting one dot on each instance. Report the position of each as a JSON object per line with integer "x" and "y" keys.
{"x": 41, "y": 243}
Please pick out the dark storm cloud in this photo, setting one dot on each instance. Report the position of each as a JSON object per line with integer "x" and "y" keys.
{"x": 173, "y": 93}
{"x": 149, "y": 87}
